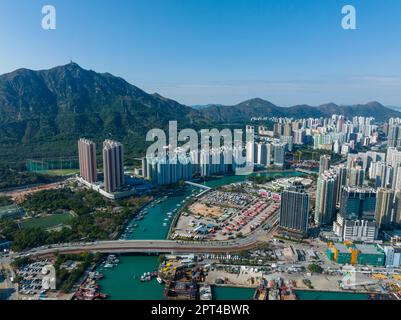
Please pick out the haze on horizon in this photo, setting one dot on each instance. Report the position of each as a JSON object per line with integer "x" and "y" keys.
{"x": 200, "y": 52}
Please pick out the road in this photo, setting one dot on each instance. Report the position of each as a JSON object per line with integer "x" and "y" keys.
{"x": 10, "y": 290}
{"x": 153, "y": 246}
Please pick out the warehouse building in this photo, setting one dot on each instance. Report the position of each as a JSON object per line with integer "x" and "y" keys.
{"x": 348, "y": 253}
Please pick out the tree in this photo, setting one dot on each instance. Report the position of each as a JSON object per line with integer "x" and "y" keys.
{"x": 315, "y": 268}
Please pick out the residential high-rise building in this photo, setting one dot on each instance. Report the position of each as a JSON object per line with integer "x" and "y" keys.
{"x": 299, "y": 136}
{"x": 342, "y": 174}
{"x": 393, "y": 157}
{"x": 381, "y": 173}
{"x": 394, "y": 136}
{"x": 294, "y": 209}
{"x": 113, "y": 167}
{"x": 277, "y": 130}
{"x": 358, "y": 203}
{"x": 172, "y": 169}
{"x": 215, "y": 161}
{"x": 288, "y": 141}
{"x": 397, "y": 207}
{"x": 396, "y": 177}
{"x": 356, "y": 177}
{"x": 324, "y": 163}
{"x": 279, "y": 154}
{"x": 385, "y": 208}
{"x": 356, "y": 220}
{"x": 373, "y": 156}
{"x": 326, "y": 196}
{"x": 144, "y": 167}
{"x": 87, "y": 160}
{"x": 269, "y": 154}
{"x": 287, "y": 129}
{"x": 262, "y": 156}
{"x": 252, "y": 152}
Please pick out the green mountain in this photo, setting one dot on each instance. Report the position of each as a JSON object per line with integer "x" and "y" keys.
{"x": 43, "y": 113}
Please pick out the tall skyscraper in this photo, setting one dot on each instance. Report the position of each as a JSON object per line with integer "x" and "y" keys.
{"x": 269, "y": 154}
{"x": 262, "y": 154}
{"x": 393, "y": 157}
{"x": 358, "y": 203}
{"x": 87, "y": 160}
{"x": 279, "y": 154}
{"x": 356, "y": 220}
{"x": 252, "y": 152}
{"x": 397, "y": 209}
{"x": 394, "y": 136}
{"x": 396, "y": 177}
{"x": 356, "y": 177}
{"x": 385, "y": 208}
{"x": 342, "y": 174}
{"x": 287, "y": 129}
{"x": 277, "y": 130}
{"x": 324, "y": 163}
{"x": 288, "y": 141}
{"x": 381, "y": 173}
{"x": 299, "y": 136}
{"x": 294, "y": 209}
{"x": 113, "y": 167}
{"x": 326, "y": 196}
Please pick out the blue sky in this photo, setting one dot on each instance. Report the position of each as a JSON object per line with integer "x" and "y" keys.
{"x": 218, "y": 51}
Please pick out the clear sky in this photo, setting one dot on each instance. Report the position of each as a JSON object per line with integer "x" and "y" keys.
{"x": 218, "y": 51}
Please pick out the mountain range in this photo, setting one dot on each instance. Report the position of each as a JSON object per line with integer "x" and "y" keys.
{"x": 43, "y": 113}
{"x": 261, "y": 108}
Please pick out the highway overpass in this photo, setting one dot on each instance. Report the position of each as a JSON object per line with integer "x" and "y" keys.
{"x": 157, "y": 246}
{"x": 146, "y": 246}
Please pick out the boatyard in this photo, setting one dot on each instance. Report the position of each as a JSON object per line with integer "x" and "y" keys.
{"x": 232, "y": 211}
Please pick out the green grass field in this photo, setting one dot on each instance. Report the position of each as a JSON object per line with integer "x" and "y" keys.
{"x": 47, "y": 222}
{"x": 64, "y": 172}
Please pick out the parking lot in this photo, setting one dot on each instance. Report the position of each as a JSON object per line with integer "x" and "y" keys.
{"x": 226, "y": 214}
{"x": 31, "y": 278}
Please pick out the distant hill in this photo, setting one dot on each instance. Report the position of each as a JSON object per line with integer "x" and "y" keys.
{"x": 394, "y": 108}
{"x": 203, "y": 106}
{"x": 262, "y": 108}
{"x": 43, "y": 113}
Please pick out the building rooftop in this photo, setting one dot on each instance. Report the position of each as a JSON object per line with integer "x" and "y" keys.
{"x": 368, "y": 249}
{"x": 341, "y": 248}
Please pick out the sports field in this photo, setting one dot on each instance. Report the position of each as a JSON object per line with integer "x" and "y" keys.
{"x": 47, "y": 222}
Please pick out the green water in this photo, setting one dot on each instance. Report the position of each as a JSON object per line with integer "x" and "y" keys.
{"x": 119, "y": 283}
{"x": 233, "y": 178}
{"x": 156, "y": 223}
{"x": 323, "y": 295}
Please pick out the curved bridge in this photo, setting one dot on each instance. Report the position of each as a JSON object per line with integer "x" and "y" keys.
{"x": 146, "y": 246}
{"x": 156, "y": 246}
